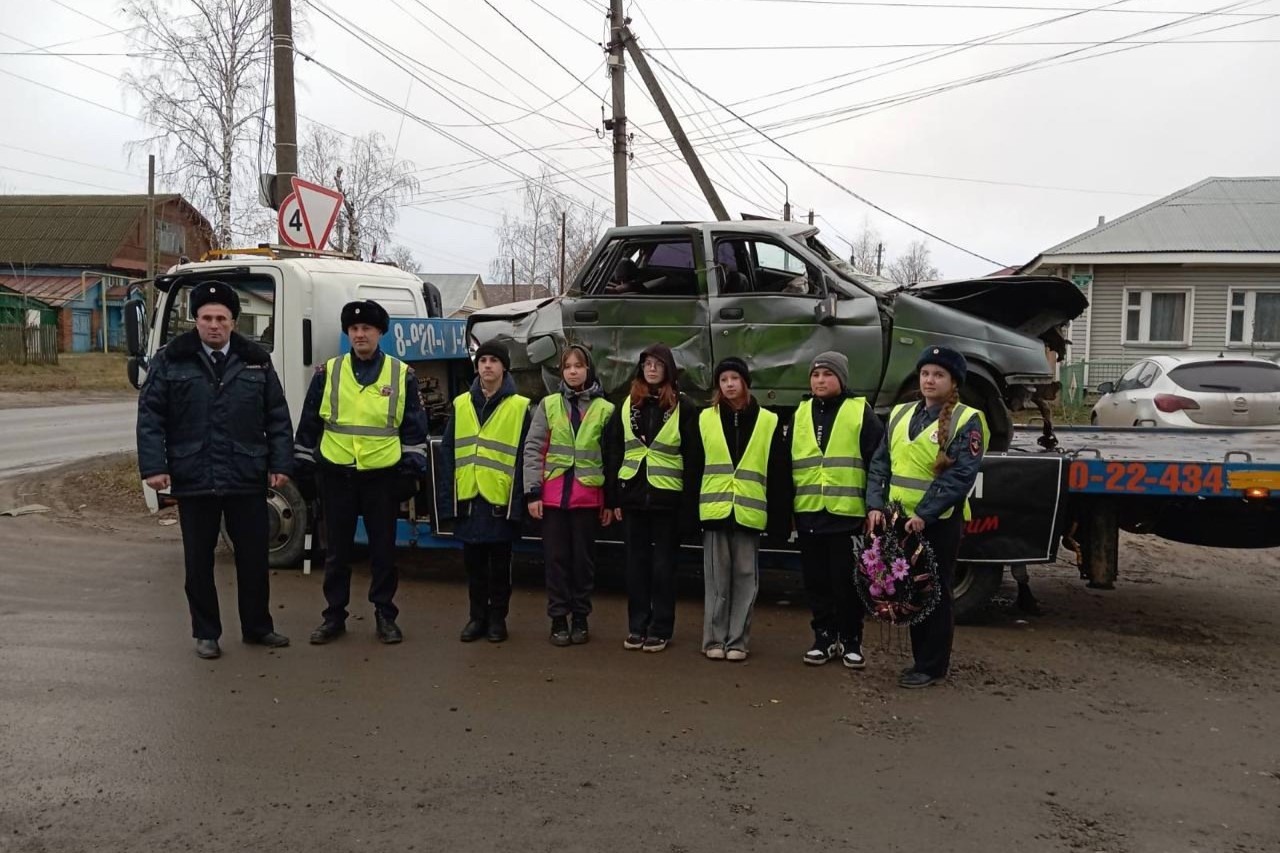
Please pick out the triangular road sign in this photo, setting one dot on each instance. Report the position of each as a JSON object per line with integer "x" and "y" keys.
{"x": 320, "y": 206}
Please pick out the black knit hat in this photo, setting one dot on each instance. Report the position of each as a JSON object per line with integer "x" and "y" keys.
{"x": 365, "y": 311}
{"x": 207, "y": 292}
{"x": 735, "y": 364}
{"x": 948, "y": 359}
{"x": 496, "y": 350}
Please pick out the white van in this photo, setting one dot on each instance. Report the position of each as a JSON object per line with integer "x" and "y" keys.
{"x": 291, "y": 306}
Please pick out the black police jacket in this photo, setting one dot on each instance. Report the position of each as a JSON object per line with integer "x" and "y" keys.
{"x": 211, "y": 437}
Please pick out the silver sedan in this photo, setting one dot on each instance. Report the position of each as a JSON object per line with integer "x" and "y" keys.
{"x": 1192, "y": 391}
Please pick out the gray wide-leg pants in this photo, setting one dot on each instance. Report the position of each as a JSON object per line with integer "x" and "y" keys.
{"x": 729, "y": 570}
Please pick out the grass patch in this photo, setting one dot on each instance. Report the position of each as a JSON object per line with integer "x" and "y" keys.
{"x": 1063, "y": 415}
{"x": 114, "y": 485}
{"x": 88, "y": 371}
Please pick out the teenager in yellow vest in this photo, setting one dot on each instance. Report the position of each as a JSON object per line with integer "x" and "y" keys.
{"x": 363, "y": 432}
{"x": 928, "y": 461}
{"x": 831, "y": 441}
{"x": 480, "y": 484}
{"x": 649, "y": 443}
{"x": 564, "y": 488}
{"x": 742, "y": 493}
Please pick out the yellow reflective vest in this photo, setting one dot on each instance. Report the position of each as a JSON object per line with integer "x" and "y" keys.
{"x": 362, "y": 423}
{"x": 741, "y": 490}
{"x": 580, "y": 451}
{"x": 834, "y": 480}
{"x": 664, "y": 465}
{"x": 911, "y": 460}
{"x": 485, "y": 457}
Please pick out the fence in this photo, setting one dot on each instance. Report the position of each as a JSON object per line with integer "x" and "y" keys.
{"x": 1082, "y": 378}
{"x": 28, "y": 344}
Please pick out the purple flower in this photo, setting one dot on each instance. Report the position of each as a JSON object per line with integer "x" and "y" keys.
{"x": 876, "y": 590}
{"x": 889, "y": 588}
{"x": 901, "y": 568}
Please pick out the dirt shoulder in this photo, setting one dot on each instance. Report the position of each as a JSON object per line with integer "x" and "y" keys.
{"x": 1128, "y": 721}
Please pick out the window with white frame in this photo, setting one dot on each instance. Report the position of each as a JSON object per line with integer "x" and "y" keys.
{"x": 1158, "y": 316}
{"x": 1253, "y": 317}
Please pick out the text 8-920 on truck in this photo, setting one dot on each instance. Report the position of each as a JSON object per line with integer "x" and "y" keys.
{"x": 770, "y": 292}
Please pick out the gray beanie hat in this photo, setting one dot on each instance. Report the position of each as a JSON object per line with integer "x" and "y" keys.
{"x": 837, "y": 363}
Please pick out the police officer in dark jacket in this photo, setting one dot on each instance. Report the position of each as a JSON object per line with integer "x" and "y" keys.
{"x": 363, "y": 431}
{"x": 213, "y": 429}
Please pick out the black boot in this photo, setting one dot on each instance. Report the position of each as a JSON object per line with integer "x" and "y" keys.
{"x": 388, "y": 631}
{"x": 578, "y": 633}
{"x": 497, "y": 629}
{"x": 560, "y": 631}
{"x": 474, "y": 630}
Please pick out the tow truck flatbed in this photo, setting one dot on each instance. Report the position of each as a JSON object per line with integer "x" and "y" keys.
{"x": 1204, "y": 487}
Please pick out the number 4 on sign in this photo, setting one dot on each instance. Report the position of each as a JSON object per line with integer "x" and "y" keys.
{"x": 293, "y": 231}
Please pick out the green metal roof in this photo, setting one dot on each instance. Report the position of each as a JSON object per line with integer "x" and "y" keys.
{"x": 68, "y": 230}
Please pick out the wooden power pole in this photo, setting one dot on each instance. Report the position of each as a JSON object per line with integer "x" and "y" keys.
{"x": 151, "y": 234}
{"x": 673, "y": 125}
{"x": 618, "y": 124}
{"x": 286, "y": 110}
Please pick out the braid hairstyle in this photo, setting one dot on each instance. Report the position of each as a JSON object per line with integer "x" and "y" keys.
{"x": 943, "y": 461}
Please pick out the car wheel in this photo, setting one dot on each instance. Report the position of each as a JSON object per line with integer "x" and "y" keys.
{"x": 975, "y": 585}
{"x": 286, "y": 527}
{"x": 1093, "y": 419}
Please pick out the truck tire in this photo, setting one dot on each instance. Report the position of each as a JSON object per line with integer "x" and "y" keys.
{"x": 975, "y": 585}
{"x": 286, "y": 527}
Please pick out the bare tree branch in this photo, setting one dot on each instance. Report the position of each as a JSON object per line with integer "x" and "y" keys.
{"x": 202, "y": 85}
{"x": 372, "y": 180}
{"x": 913, "y": 266}
{"x": 533, "y": 238}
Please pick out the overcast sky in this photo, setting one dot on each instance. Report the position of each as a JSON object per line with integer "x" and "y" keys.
{"x": 1004, "y": 168}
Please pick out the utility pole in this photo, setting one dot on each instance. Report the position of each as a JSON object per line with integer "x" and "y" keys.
{"x": 286, "y": 110}
{"x": 673, "y": 125}
{"x": 564, "y": 222}
{"x": 151, "y": 233}
{"x": 513, "y": 279}
{"x": 879, "y": 256}
{"x": 811, "y": 216}
{"x": 618, "y": 75}
{"x": 786, "y": 204}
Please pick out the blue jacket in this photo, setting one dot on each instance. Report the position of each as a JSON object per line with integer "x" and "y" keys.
{"x": 211, "y": 437}
{"x": 948, "y": 489}
{"x": 479, "y": 521}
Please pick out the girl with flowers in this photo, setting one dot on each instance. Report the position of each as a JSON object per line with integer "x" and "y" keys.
{"x": 927, "y": 463}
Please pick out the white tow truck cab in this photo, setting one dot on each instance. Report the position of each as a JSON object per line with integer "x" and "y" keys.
{"x": 290, "y": 304}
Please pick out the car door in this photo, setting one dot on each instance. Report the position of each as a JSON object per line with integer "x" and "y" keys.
{"x": 764, "y": 306}
{"x": 641, "y": 290}
{"x": 1139, "y": 405}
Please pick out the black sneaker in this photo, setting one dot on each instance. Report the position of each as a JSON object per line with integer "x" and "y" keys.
{"x": 655, "y": 644}
{"x": 579, "y": 634}
{"x": 825, "y": 648}
{"x": 915, "y": 680}
{"x": 633, "y": 642}
{"x": 852, "y": 655}
{"x": 560, "y": 631}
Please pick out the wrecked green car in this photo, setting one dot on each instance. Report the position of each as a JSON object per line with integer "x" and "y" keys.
{"x": 771, "y": 293}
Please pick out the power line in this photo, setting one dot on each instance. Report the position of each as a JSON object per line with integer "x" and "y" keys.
{"x": 839, "y": 185}
{"x": 904, "y": 4}
{"x": 914, "y": 45}
{"x": 70, "y": 95}
{"x": 65, "y": 180}
{"x": 69, "y": 160}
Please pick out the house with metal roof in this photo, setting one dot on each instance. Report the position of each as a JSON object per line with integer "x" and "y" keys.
{"x": 78, "y": 253}
{"x": 460, "y": 293}
{"x": 1195, "y": 271}
{"x": 504, "y": 294}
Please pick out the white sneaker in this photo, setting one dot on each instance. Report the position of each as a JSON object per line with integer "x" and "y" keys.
{"x": 736, "y": 654}
{"x": 715, "y": 653}
{"x": 853, "y": 658}
{"x": 823, "y": 650}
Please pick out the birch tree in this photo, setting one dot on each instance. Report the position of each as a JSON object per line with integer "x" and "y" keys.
{"x": 202, "y": 87}
{"x": 864, "y": 249}
{"x": 532, "y": 237}
{"x": 372, "y": 179}
{"x": 913, "y": 266}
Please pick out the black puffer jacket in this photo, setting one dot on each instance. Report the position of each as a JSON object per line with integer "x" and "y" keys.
{"x": 213, "y": 438}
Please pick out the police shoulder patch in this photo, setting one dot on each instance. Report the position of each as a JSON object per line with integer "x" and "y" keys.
{"x": 975, "y": 442}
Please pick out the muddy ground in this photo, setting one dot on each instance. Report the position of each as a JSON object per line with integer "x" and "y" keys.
{"x": 1142, "y": 719}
